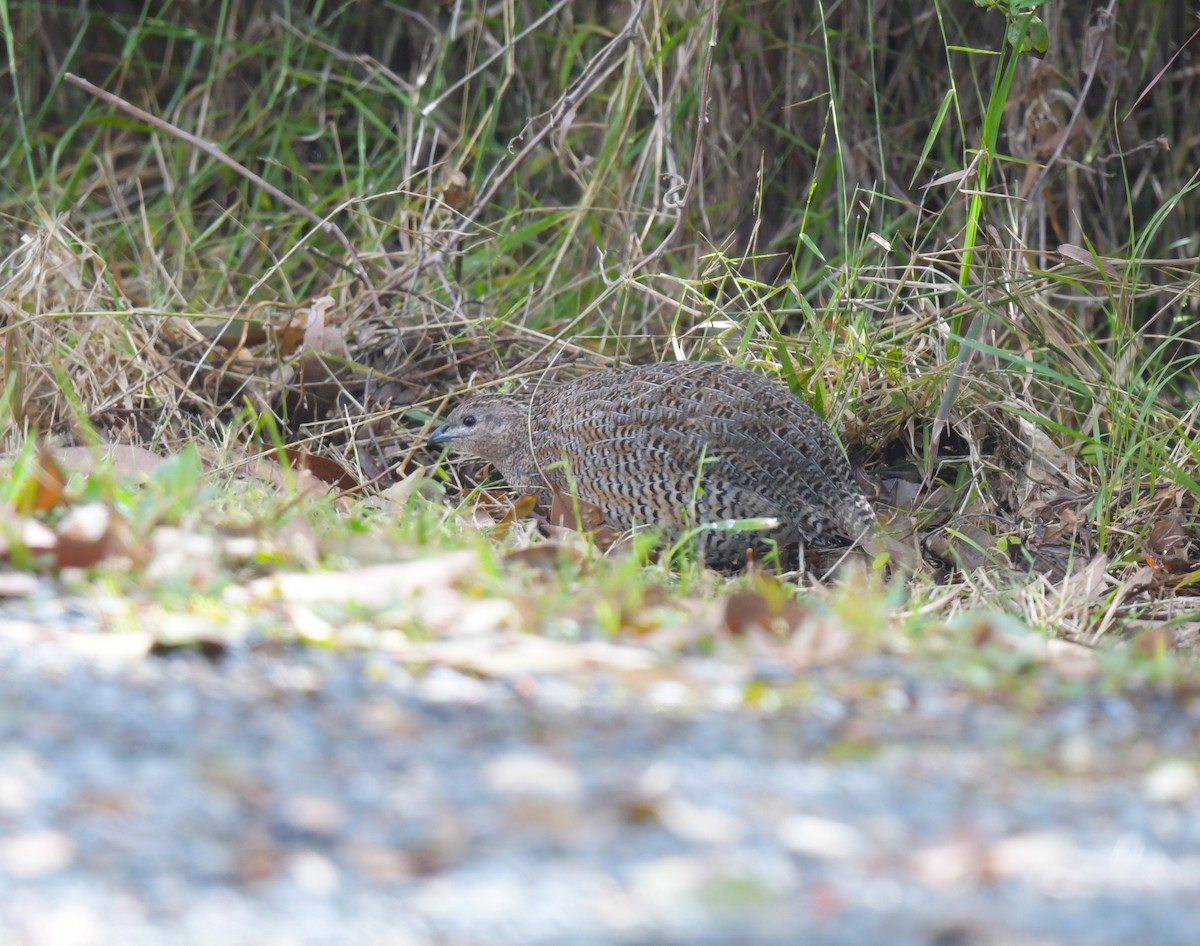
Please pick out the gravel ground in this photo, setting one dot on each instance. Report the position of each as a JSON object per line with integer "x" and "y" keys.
{"x": 315, "y": 797}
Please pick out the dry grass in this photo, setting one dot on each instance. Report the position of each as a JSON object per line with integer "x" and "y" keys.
{"x": 542, "y": 188}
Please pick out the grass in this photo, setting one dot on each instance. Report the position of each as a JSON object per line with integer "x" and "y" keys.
{"x": 978, "y": 264}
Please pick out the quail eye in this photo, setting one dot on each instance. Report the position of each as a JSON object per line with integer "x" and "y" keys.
{"x": 469, "y": 420}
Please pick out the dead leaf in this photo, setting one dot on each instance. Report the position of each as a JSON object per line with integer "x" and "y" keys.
{"x": 1168, "y": 545}
{"x": 86, "y": 535}
{"x": 288, "y": 474}
{"x": 546, "y": 556}
{"x": 289, "y": 337}
{"x": 1077, "y": 254}
{"x": 324, "y": 468}
{"x": 767, "y": 604}
{"x": 954, "y": 177}
{"x": 611, "y": 541}
{"x": 746, "y": 610}
{"x": 908, "y": 496}
{"x": 229, "y": 334}
{"x": 456, "y": 190}
{"x": 1049, "y": 471}
{"x": 417, "y": 483}
{"x": 571, "y": 512}
{"x": 1157, "y": 639}
{"x": 125, "y": 460}
{"x": 372, "y": 586}
{"x": 510, "y": 654}
{"x": 521, "y": 509}
{"x": 320, "y": 336}
{"x": 1081, "y": 588}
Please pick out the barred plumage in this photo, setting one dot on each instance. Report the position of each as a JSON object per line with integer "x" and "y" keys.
{"x": 672, "y": 445}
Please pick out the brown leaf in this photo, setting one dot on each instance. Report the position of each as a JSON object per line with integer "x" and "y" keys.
{"x": 324, "y": 468}
{"x": 86, "y": 535}
{"x": 570, "y": 512}
{"x": 457, "y": 198}
{"x": 607, "y": 539}
{"x": 289, "y": 338}
{"x": 229, "y": 334}
{"x": 309, "y": 472}
{"x": 546, "y": 556}
{"x": 320, "y": 336}
{"x": 746, "y": 610}
{"x": 1168, "y": 546}
{"x": 125, "y": 460}
{"x": 456, "y": 189}
{"x": 521, "y": 509}
{"x": 767, "y": 605}
{"x": 1156, "y": 641}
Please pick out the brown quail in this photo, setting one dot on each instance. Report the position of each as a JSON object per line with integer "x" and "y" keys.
{"x": 672, "y": 445}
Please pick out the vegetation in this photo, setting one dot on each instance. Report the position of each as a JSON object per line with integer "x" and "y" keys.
{"x": 965, "y": 232}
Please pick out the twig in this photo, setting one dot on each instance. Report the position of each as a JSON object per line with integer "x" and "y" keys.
{"x": 214, "y": 151}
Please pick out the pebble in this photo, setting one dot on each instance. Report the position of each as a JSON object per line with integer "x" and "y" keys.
{"x": 308, "y": 797}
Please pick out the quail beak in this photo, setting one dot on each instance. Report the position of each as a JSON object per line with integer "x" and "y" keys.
{"x": 441, "y": 434}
